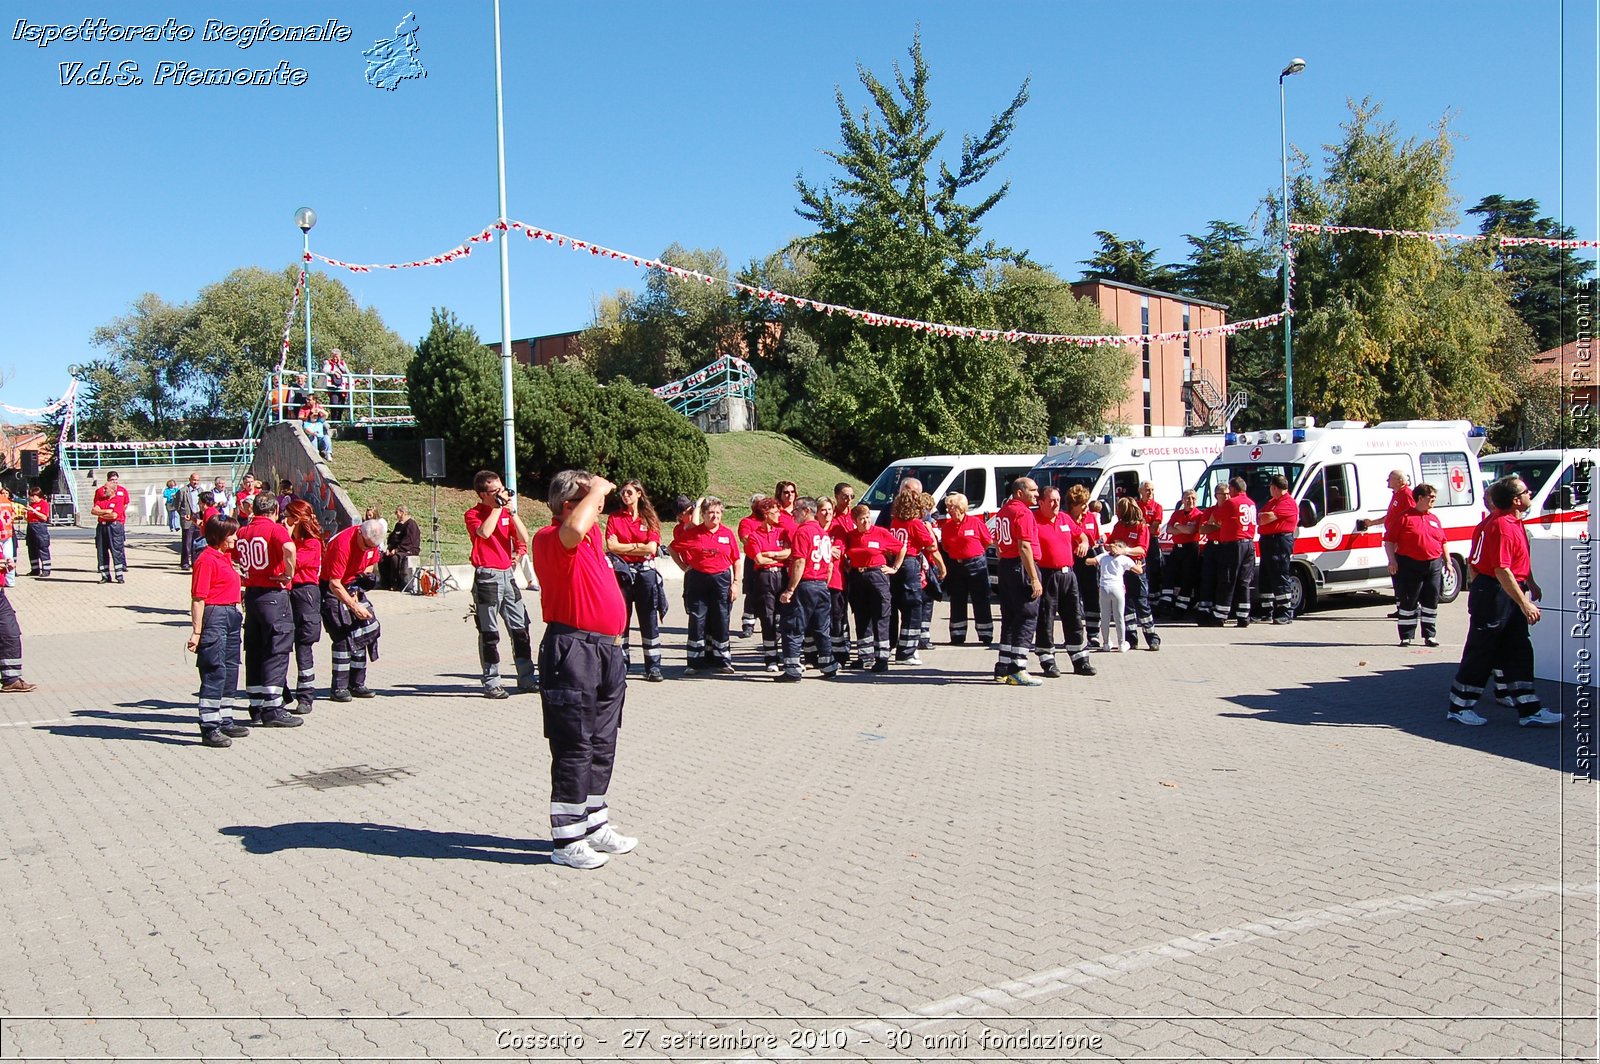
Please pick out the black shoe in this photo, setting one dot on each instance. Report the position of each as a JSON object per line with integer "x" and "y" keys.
{"x": 831, "y": 674}
{"x": 843, "y": 663}
{"x": 1244, "y": 623}
{"x": 653, "y": 676}
{"x": 277, "y": 718}
{"x": 1429, "y": 641}
{"x": 181, "y": 569}
{"x": 362, "y": 692}
{"x": 861, "y": 664}
{"x": 726, "y": 669}
{"x": 1153, "y": 641}
{"x": 1392, "y": 616}
{"x": 1082, "y": 668}
{"x": 122, "y": 580}
{"x": 747, "y": 633}
{"x": 956, "y": 643}
{"x": 255, "y": 717}
{"x": 105, "y": 580}
{"x": 214, "y": 737}
{"x": 529, "y": 688}
{"x": 924, "y": 644}
{"x": 787, "y": 677}
{"x": 337, "y": 696}
{"x": 1094, "y": 642}
{"x": 811, "y": 660}
{"x": 496, "y": 692}
{"x": 232, "y": 730}
{"x": 300, "y": 708}
{"x": 1051, "y": 670}
{"x": 881, "y": 665}
{"x": 1133, "y": 639}
{"x": 989, "y": 642}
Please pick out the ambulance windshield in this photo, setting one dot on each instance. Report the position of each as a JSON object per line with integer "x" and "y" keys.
{"x": 1535, "y": 472}
{"x": 881, "y": 493}
{"x": 1256, "y": 475}
{"x": 1065, "y": 477}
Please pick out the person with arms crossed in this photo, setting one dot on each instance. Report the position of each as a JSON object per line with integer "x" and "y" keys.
{"x": 633, "y": 539}
{"x": 585, "y": 671}
{"x": 38, "y": 534}
{"x": 267, "y": 557}
{"x": 110, "y": 508}
{"x": 1060, "y": 597}
{"x": 1016, "y": 538}
{"x": 1278, "y": 521}
{"x": 805, "y": 604}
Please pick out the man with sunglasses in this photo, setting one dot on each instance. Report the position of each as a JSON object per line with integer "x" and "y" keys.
{"x": 110, "y": 509}
{"x": 1501, "y": 604}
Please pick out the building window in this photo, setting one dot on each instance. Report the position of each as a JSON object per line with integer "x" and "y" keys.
{"x": 1188, "y": 368}
{"x": 1144, "y": 330}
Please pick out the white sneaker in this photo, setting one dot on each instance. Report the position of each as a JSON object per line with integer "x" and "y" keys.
{"x": 608, "y": 840}
{"x": 1124, "y": 648}
{"x": 1466, "y": 716}
{"x": 773, "y": 670}
{"x": 1544, "y": 716}
{"x": 1505, "y": 700}
{"x": 577, "y": 855}
{"x": 912, "y": 660}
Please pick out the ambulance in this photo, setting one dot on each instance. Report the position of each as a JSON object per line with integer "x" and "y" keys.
{"x": 1561, "y": 482}
{"x": 1114, "y": 466}
{"x": 1339, "y": 474}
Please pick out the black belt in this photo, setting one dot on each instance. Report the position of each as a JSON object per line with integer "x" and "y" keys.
{"x": 557, "y": 628}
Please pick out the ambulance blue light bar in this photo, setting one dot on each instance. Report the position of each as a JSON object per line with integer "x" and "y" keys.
{"x": 1477, "y": 430}
{"x": 1299, "y": 435}
{"x": 1230, "y": 437}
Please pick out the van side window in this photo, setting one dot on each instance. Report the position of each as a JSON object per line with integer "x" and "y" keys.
{"x": 1573, "y": 487}
{"x": 1003, "y": 476}
{"x": 1125, "y": 484}
{"x": 1331, "y": 491}
{"x": 974, "y": 484}
{"x": 1450, "y": 476}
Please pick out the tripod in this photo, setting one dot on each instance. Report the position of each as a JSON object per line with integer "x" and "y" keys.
{"x": 443, "y": 582}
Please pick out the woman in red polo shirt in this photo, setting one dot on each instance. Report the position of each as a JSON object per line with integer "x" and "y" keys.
{"x": 710, "y": 550}
{"x": 305, "y": 600}
{"x": 965, "y": 541}
{"x": 215, "y": 591}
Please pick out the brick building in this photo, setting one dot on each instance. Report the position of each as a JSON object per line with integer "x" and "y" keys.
{"x": 1175, "y": 386}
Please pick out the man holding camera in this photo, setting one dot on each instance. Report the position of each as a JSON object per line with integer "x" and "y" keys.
{"x": 498, "y": 537}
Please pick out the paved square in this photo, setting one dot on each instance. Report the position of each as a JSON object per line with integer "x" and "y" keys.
{"x": 1263, "y": 843}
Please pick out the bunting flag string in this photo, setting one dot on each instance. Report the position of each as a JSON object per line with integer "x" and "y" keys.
{"x": 288, "y": 319}
{"x": 777, "y": 298}
{"x": 43, "y": 411}
{"x": 142, "y": 445}
{"x": 1439, "y": 238}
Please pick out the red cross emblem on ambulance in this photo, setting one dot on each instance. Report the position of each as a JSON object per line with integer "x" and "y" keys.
{"x": 1458, "y": 479}
{"x": 1256, "y": 453}
{"x": 1330, "y": 537}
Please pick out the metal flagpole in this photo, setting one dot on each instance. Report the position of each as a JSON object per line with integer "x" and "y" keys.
{"x": 507, "y": 413}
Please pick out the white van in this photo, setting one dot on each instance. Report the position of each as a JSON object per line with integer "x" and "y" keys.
{"x": 1561, "y": 482}
{"x": 1340, "y": 475}
{"x": 1114, "y": 466}
{"x": 982, "y": 478}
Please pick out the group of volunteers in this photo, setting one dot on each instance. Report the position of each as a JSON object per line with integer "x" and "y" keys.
{"x": 269, "y": 556}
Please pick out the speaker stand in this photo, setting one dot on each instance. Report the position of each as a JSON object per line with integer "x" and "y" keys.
{"x": 443, "y": 582}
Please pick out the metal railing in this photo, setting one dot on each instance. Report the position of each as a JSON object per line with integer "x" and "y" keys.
{"x": 366, "y": 399}
{"x": 76, "y": 456}
{"x": 729, "y": 377}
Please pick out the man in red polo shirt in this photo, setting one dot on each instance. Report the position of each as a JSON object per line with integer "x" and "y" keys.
{"x": 1154, "y": 563}
{"x": 351, "y": 624}
{"x": 584, "y": 668}
{"x": 1231, "y": 525}
{"x": 1500, "y": 607}
{"x": 266, "y": 556}
{"x": 1017, "y": 543}
{"x": 805, "y": 606}
{"x": 1057, "y": 536}
{"x": 498, "y": 538}
{"x": 1279, "y": 519}
{"x": 110, "y": 509}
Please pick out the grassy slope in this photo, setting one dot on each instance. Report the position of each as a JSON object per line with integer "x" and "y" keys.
{"x": 743, "y": 463}
{"x": 381, "y": 474}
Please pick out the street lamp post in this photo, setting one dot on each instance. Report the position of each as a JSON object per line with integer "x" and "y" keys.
{"x": 507, "y": 413}
{"x": 1295, "y": 66}
{"x": 306, "y": 218}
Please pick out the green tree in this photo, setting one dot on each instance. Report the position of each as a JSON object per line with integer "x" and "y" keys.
{"x": 897, "y": 230}
{"x": 1128, "y": 261}
{"x": 141, "y": 388}
{"x": 1395, "y": 328}
{"x": 1543, "y": 279}
{"x": 673, "y": 328}
{"x": 453, "y": 383}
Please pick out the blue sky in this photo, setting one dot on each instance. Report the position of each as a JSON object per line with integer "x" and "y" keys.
{"x": 637, "y": 125}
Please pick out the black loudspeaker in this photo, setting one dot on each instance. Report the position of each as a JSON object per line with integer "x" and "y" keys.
{"x": 30, "y": 463}
{"x": 433, "y": 460}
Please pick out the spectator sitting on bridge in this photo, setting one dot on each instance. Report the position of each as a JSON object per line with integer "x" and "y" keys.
{"x": 314, "y": 420}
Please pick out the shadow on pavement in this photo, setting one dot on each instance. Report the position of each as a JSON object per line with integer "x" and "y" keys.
{"x": 163, "y": 610}
{"x": 1413, "y": 700}
{"x": 105, "y": 731}
{"x": 389, "y": 840}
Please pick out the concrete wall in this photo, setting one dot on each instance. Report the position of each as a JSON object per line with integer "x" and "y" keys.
{"x": 146, "y": 485}
{"x": 729, "y": 415}
{"x": 285, "y": 453}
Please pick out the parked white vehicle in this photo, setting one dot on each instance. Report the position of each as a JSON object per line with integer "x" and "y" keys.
{"x": 1339, "y": 476}
{"x": 982, "y": 478}
{"x": 1114, "y": 466}
{"x": 1561, "y": 482}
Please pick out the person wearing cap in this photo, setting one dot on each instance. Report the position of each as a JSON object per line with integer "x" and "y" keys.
{"x": 584, "y": 668}
{"x": 110, "y": 509}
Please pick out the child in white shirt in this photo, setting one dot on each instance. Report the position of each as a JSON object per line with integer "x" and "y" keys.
{"x": 1113, "y": 596}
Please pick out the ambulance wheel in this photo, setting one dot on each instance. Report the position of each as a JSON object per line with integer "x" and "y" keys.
{"x": 1303, "y": 592}
{"x": 1454, "y": 579}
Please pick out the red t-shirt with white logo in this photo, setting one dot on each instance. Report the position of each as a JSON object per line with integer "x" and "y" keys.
{"x": 259, "y": 549}
{"x": 1056, "y": 537}
{"x": 577, "y": 587}
{"x": 710, "y": 551}
{"x": 214, "y": 579}
{"x": 625, "y": 528}
{"x": 915, "y": 534}
{"x": 965, "y": 539}
{"x": 494, "y": 551}
{"x": 1288, "y": 512}
{"x": 764, "y": 539}
{"x": 1152, "y": 514}
{"x": 1015, "y": 525}
{"x": 1191, "y": 516}
{"x": 114, "y": 499}
{"x": 839, "y": 530}
{"x": 1400, "y": 504}
{"x": 1236, "y": 519}
{"x": 1420, "y": 537}
{"x": 1136, "y": 534}
{"x": 344, "y": 559}
{"x": 872, "y": 547}
{"x": 1500, "y": 542}
{"x": 814, "y": 547}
